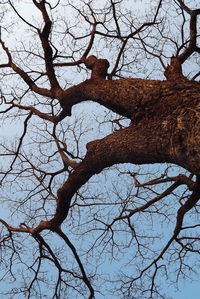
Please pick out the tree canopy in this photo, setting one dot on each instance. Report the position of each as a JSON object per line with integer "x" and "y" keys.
{"x": 99, "y": 147}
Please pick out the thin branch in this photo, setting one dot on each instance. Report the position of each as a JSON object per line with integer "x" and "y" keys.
{"x": 73, "y": 249}
{"x": 21, "y": 138}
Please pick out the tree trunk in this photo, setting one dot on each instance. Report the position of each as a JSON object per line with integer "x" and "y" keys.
{"x": 165, "y": 123}
{"x": 165, "y": 119}
{"x": 165, "y": 129}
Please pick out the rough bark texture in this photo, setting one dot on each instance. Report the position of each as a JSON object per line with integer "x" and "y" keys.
{"x": 165, "y": 128}
{"x": 164, "y": 125}
{"x": 164, "y": 114}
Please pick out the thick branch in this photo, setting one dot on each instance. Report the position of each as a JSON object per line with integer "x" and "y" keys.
{"x": 138, "y": 144}
{"x": 44, "y": 37}
{"x": 128, "y": 97}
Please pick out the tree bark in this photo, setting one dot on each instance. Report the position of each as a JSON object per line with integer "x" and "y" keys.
{"x": 165, "y": 118}
{"x": 165, "y": 129}
{"x": 165, "y": 123}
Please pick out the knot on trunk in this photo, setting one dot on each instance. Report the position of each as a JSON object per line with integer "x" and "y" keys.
{"x": 174, "y": 70}
{"x": 99, "y": 67}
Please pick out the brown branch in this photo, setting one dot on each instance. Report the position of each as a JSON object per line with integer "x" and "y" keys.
{"x": 35, "y": 111}
{"x": 174, "y": 70}
{"x": 102, "y": 153}
{"x": 181, "y": 179}
{"x": 20, "y": 16}
{"x": 21, "y": 139}
{"x": 98, "y": 66}
{"x": 22, "y": 229}
{"x": 115, "y": 18}
{"x": 190, "y": 203}
{"x": 44, "y": 37}
{"x": 66, "y": 160}
{"x": 142, "y": 208}
{"x": 131, "y": 35}
{"x": 184, "y": 6}
{"x": 192, "y": 46}
{"x": 32, "y": 85}
{"x": 187, "y": 206}
{"x": 196, "y": 76}
{"x": 71, "y": 63}
{"x": 73, "y": 249}
{"x": 92, "y": 34}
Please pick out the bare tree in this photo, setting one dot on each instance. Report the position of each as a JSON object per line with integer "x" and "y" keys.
{"x": 119, "y": 187}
